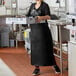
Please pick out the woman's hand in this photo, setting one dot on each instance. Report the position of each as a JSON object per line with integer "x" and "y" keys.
{"x": 38, "y": 19}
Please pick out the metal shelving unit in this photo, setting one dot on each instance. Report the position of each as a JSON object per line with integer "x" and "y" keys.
{"x": 59, "y": 24}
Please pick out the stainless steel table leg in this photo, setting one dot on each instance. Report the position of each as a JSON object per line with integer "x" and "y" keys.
{"x": 16, "y": 43}
{"x": 60, "y": 40}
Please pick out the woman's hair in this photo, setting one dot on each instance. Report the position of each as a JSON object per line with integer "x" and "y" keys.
{"x": 42, "y": 0}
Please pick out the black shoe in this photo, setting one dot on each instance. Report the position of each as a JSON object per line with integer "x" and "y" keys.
{"x": 36, "y": 72}
{"x": 57, "y": 70}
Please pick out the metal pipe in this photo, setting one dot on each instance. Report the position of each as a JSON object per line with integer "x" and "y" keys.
{"x": 60, "y": 40}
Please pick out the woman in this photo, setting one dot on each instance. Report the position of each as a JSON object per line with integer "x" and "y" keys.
{"x": 41, "y": 40}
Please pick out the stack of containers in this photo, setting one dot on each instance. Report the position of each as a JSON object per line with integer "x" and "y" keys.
{"x": 4, "y": 36}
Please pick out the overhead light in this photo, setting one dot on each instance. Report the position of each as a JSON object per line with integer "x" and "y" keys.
{"x": 58, "y": 1}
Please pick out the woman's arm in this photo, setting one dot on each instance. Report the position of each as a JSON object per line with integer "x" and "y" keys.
{"x": 44, "y": 17}
{"x": 40, "y": 18}
{"x": 30, "y": 8}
